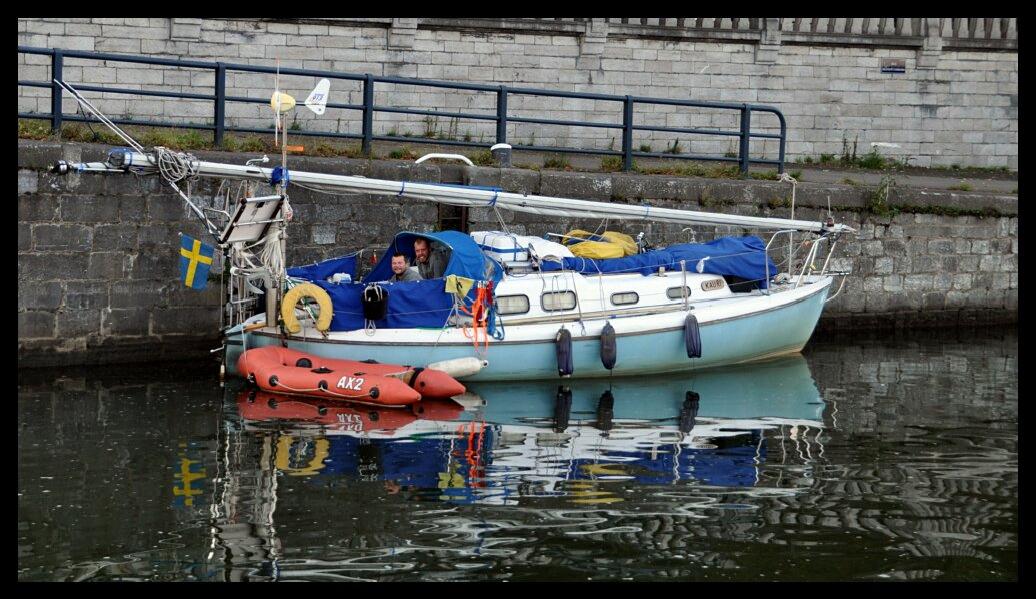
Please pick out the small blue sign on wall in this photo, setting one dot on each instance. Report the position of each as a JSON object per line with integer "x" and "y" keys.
{"x": 893, "y": 65}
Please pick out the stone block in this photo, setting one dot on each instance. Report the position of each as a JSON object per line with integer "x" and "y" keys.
{"x": 323, "y": 234}
{"x": 588, "y": 186}
{"x": 917, "y": 282}
{"x": 41, "y": 155}
{"x": 935, "y": 300}
{"x": 37, "y": 208}
{"x": 165, "y": 208}
{"x": 34, "y": 295}
{"x": 35, "y": 324}
{"x": 968, "y": 263}
{"x": 61, "y": 237}
{"x": 989, "y": 263}
{"x": 121, "y": 237}
{"x": 873, "y": 248}
{"x": 52, "y": 266}
{"x": 88, "y": 209}
{"x": 519, "y": 181}
{"x": 28, "y": 181}
{"x": 925, "y": 263}
{"x": 78, "y": 323}
{"x": 85, "y": 296}
{"x": 956, "y": 299}
{"x": 109, "y": 266}
{"x": 24, "y": 237}
{"x": 155, "y": 265}
{"x": 184, "y": 321}
{"x": 161, "y": 238}
{"x": 883, "y": 265}
{"x": 982, "y": 280}
{"x": 139, "y": 294}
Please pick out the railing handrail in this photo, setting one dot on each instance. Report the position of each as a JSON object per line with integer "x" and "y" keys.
{"x": 368, "y": 108}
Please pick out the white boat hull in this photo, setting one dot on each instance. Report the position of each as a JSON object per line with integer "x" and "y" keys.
{"x": 732, "y": 330}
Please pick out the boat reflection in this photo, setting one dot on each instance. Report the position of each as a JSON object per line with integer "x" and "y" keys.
{"x": 503, "y": 441}
{"x": 583, "y": 442}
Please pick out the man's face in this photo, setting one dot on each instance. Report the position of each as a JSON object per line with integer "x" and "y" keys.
{"x": 421, "y": 250}
{"x": 398, "y": 264}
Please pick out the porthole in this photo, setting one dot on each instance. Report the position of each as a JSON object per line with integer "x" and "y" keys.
{"x": 676, "y": 293}
{"x": 625, "y": 298}
{"x": 558, "y": 300}
{"x": 512, "y": 304}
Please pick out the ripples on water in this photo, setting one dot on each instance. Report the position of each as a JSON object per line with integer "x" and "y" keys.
{"x": 866, "y": 461}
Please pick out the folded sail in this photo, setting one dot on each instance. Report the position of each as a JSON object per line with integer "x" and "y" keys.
{"x": 476, "y": 197}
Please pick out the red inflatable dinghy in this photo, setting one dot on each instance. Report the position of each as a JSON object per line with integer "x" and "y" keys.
{"x": 283, "y": 370}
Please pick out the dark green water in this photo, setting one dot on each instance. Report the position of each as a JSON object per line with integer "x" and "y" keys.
{"x": 888, "y": 459}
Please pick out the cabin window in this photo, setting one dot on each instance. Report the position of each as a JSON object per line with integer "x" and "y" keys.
{"x": 512, "y": 304}
{"x": 558, "y": 300}
{"x": 626, "y": 298}
{"x": 676, "y": 293}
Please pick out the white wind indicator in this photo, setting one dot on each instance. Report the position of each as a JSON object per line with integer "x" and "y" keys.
{"x": 317, "y": 100}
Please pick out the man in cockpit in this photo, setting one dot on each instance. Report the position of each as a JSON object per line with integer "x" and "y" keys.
{"x": 401, "y": 272}
{"x": 430, "y": 261}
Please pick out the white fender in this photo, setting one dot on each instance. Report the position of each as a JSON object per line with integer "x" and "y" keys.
{"x": 459, "y": 367}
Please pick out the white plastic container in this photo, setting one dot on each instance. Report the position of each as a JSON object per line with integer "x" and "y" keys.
{"x": 502, "y": 246}
{"x": 509, "y": 248}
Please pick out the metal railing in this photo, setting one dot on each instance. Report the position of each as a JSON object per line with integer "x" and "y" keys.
{"x": 501, "y": 117}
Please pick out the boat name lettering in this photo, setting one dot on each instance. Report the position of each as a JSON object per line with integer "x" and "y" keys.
{"x": 712, "y": 284}
{"x": 348, "y": 382}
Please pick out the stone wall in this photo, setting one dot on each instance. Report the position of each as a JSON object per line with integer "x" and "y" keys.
{"x": 98, "y": 276}
{"x": 956, "y": 102}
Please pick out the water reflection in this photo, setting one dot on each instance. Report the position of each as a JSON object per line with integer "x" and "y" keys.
{"x": 876, "y": 460}
{"x": 499, "y": 443}
{"x": 682, "y": 445}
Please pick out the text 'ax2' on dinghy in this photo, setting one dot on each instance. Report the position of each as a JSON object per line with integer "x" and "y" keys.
{"x": 507, "y": 306}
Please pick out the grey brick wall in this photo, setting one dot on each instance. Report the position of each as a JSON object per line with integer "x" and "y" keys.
{"x": 98, "y": 275}
{"x": 957, "y": 104}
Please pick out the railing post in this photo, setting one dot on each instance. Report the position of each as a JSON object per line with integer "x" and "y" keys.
{"x": 746, "y": 125}
{"x": 783, "y": 142}
{"x": 501, "y": 115}
{"x": 627, "y": 134}
{"x": 368, "y": 114}
{"x": 57, "y": 66}
{"x": 220, "y": 107}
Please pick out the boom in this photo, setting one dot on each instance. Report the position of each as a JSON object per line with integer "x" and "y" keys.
{"x": 124, "y": 160}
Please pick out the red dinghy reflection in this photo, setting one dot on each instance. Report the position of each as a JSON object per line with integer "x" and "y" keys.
{"x": 257, "y": 405}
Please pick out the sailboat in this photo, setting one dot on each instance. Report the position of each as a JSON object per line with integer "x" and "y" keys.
{"x": 506, "y": 307}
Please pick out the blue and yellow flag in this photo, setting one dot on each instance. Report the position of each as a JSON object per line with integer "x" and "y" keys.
{"x": 195, "y": 261}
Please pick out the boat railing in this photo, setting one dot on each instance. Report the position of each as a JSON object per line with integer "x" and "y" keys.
{"x": 811, "y": 256}
{"x": 626, "y": 108}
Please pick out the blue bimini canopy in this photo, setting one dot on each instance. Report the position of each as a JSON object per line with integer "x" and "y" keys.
{"x": 466, "y": 259}
{"x": 743, "y": 257}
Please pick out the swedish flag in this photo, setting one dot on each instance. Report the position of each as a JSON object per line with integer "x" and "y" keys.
{"x": 195, "y": 261}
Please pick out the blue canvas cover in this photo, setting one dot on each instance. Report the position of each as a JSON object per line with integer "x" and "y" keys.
{"x": 466, "y": 259}
{"x": 321, "y": 271}
{"x": 413, "y": 304}
{"x": 742, "y": 257}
